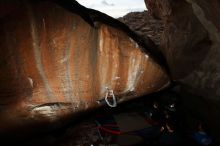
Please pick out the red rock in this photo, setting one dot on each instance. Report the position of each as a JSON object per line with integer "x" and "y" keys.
{"x": 53, "y": 64}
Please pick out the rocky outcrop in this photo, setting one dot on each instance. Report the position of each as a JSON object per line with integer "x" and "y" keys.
{"x": 190, "y": 43}
{"x": 58, "y": 61}
{"x": 144, "y": 24}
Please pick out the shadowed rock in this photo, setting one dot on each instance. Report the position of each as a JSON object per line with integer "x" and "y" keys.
{"x": 58, "y": 61}
{"x": 190, "y": 43}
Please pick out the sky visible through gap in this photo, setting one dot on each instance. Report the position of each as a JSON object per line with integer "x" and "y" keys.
{"x": 115, "y": 8}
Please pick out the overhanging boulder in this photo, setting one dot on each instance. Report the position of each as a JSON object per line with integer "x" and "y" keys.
{"x": 59, "y": 59}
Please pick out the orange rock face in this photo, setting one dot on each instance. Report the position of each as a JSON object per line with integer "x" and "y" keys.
{"x": 53, "y": 63}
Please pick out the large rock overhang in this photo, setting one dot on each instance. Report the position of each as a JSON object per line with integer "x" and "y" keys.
{"x": 58, "y": 59}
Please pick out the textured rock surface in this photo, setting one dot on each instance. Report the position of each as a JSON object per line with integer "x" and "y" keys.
{"x": 191, "y": 45}
{"x": 190, "y": 42}
{"x": 53, "y": 64}
{"x": 144, "y": 24}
